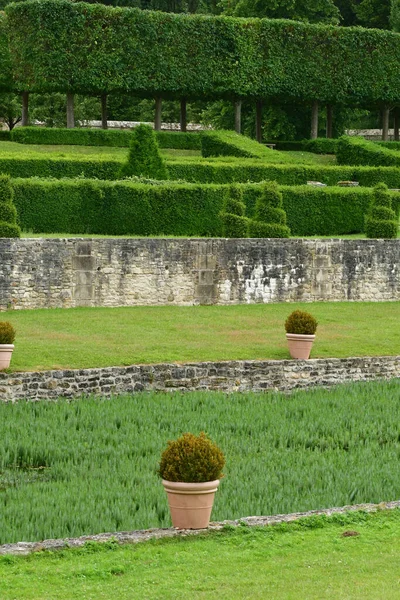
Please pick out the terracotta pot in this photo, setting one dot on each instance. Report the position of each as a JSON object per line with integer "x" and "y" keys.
{"x": 190, "y": 503}
{"x": 300, "y": 345}
{"x": 6, "y": 351}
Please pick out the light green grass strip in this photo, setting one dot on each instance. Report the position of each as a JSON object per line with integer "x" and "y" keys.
{"x": 310, "y": 560}
{"x": 99, "y": 337}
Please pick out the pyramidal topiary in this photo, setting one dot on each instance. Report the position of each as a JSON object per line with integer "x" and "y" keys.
{"x": 8, "y": 212}
{"x": 269, "y": 217}
{"x": 144, "y": 159}
{"x": 234, "y": 223}
{"x": 381, "y": 220}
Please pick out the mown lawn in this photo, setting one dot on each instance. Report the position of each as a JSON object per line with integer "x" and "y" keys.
{"x": 98, "y": 337}
{"x": 311, "y": 559}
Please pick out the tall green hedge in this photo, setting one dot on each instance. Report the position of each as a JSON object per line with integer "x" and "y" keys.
{"x": 58, "y": 45}
{"x": 124, "y": 207}
{"x": 358, "y": 151}
{"x": 99, "y": 137}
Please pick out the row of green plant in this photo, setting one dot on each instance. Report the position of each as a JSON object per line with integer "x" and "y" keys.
{"x": 230, "y": 143}
{"x": 86, "y": 466}
{"x": 97, "y": 137}
{"x": 359, "y": 151}
{"x": 130, "y": 207}
{"x": 64, "y": 46}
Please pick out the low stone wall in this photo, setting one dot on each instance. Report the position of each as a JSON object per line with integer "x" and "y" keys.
{"x": 229, "y": 376}
{"x": 45, "y": 273}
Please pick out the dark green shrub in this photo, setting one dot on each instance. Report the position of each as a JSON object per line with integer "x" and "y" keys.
{"x": 5, "y": 136}
{"x": 301, "y": 322}
{"x": 321, "y": 146}
{"x": 358, "y": 151}
{"x": 381, "y": 221}
{"x": 269, "y": 217}
{"x": 192, "y": 459}
{"x": 144, "y": 158}
{"x": 234, "y": 223}
{"x": 8, "y": 212}
{"x": 230, "y": 143}
{"x": 7, "y": 333}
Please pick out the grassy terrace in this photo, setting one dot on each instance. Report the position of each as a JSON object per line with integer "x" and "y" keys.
{"x": 78, "y": 467}
{"x": 310, "y": 559}
{"x": 98, "y": 337}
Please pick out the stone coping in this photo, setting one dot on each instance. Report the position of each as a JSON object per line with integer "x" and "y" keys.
{"x": 133, "y": 537}
{"x": 224, "y": 376}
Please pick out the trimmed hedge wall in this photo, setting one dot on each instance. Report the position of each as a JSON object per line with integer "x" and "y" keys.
{"x": 229, "y": 143}
{"x": 45, "y": 166}
{"x": 58, "y": 45}
{"x": 98, "y": 137}
{"x": 321, "y": 146}
{"x": 358, "y": 151}
{"x": 123, "y": 208}
{"x": 284, "y": 174}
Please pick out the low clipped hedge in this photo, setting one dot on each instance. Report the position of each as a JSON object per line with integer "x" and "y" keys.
{"x": 130, "y": 208}
{"x": 321, "y": 146}
{"x": 98, "y": 137}
{"x": 41, "y": 165}
{"x": 358, "y": 151}
{"x": 230, "y": 143}
{"x": 245, "y": 170}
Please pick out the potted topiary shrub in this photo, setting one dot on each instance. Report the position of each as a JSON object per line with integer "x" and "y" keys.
{"x": 300, "y": 333}
{"x": 191, "y": 468}
{"x": 7, "y": 336}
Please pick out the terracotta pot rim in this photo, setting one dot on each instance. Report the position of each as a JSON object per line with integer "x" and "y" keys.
{"x": 205, "y": 487}
{"x": 300, "y": 336}
{"x": 7, "y": 347}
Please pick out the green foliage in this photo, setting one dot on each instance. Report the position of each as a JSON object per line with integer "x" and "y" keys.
{"x": 99, "y": 137}
{"x": 246, "y": 170}
{"x": 358, "y": 151}
{"x": 77, "y": 47}
{"x": 127, "y": 207}
{"x": 144, "y": 158}
{"x": 8, "y": 212}
{"x": 381, "y": 221}
{"x": 229, "y": 143}
{"x": 269, "y": 217}
{"x": 39, "y": 165}
{"x": 234, "y": 223}
{"x": 316, "y": 11}
{"x": 320, "y": 146}
{"x": 192, "y": 459}
{"x": 301, "y": 322}
{"x": 395, "y": 15}
{"x": 99, "y": 458}
{"x": 7, "y": 333}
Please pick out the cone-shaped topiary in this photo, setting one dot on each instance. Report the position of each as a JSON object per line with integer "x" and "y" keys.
{"x": 269, "y": 217}
{"x": 234, "y": 223}
{"x": 8, "y": 212}
{"x": 191, "y": 459}
{"x": 381, "y": 220}
{"x": 144, "y": 159}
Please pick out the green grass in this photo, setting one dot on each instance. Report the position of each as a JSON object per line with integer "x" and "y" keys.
{"x": 98, "y": 337}
{"x": 71, "y": 468}
{"x": 308, "y": 559}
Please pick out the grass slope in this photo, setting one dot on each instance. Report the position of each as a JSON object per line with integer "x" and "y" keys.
{"x": 310, "y": 559}
{"x": 98, "y": 337}
{"x": 71, "y": 468}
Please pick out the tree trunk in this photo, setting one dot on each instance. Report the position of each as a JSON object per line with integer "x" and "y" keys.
{"x": 396, "y": 124}
{"x": 70, "y": 111}
{"x": 385, "y": 124}
{"x": 314, "y": 120}
{"x": 183, "y": 114}
{"x": 329, "y": 121}
{"x": 259, "y": 121}
{"x": 157, "y": 118}
{"x": 104, "y": 124}
{"x": 238, "y": 115}
{"x": 25, "y": 108}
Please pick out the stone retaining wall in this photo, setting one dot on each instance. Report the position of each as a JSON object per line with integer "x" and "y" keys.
{"x": 229, "y": 376}
{"x": 45, "y": 273}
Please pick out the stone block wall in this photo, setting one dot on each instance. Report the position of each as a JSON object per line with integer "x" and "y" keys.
{"x": 230, "y": 376}
{"x": 44, "y": 273}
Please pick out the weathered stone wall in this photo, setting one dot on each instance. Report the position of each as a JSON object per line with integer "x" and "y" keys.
{"x": 37, "y": 273}
{"x": 223, "y": 376}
